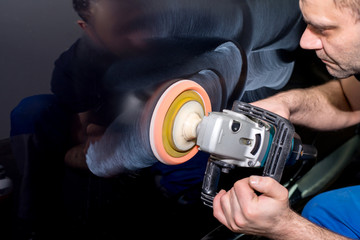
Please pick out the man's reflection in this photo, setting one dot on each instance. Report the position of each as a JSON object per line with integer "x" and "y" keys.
{"x": 46, "y": 129}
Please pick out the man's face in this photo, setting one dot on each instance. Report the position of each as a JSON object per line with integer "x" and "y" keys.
{"x": 117, "y": 26}
{"x": 334, "y": 33}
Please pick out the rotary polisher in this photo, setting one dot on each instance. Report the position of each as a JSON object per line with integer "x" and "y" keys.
{"x": 246, "y": 136}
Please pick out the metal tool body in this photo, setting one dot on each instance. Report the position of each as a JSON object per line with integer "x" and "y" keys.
{"x": 247, "y": 136}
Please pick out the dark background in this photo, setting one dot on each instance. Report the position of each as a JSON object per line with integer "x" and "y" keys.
{"x": 32, "y": 35}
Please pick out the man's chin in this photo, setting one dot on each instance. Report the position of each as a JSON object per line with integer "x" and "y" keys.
{"x": 338, "y": 73}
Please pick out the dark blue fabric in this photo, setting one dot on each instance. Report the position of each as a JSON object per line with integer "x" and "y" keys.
{"x": 45, "y": 118}
{"x": 29, "y": 111}
{"x": 337, "y": 210}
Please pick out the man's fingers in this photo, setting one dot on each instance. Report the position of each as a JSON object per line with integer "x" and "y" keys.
{"x": 228, "y": 205}
{"x": 95, "y": 130}
{"x": 273, "y": 106}
{"x": 269, "y": 187}
{"x": 242, "y": 210}
{"x": 218, "y": 209}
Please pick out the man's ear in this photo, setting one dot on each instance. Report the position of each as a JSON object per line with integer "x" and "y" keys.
{"x": 82, "y": 24}
{"x": 88, "y": 30}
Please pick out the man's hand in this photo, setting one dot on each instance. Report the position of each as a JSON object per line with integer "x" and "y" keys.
{"x": 76, "y": 156}
{"x": 94, "y": 133}
{"x": 274, "y": 104}
{"x": 242, "y": 210}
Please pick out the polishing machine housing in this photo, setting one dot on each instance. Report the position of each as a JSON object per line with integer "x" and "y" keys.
{"x": 245, "y": 136}
{"x": 235, "y": 138}
{"x": 248, "y": 136}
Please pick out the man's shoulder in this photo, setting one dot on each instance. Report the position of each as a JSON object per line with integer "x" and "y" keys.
{"x": 69, "y": 55}
{"x": 67, "y": 58}
{"x": 73, "y": 58}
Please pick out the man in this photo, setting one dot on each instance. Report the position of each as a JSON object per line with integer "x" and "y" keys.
{"x": 333, "y": 31}
{"x": 50, "y": 129}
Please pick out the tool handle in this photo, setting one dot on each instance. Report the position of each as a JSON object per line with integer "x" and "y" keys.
{"x": 211, "y": 179}
{"x": 210, "y": 182}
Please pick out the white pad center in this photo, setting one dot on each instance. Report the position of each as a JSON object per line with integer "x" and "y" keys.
{"x": 184, "y": 130}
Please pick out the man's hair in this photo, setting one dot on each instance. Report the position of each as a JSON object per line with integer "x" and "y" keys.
{"x": 82, "y": 7}
{"x": 352, "y": 5}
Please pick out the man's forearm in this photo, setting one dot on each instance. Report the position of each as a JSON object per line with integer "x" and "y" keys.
{"x": 323, "y": 107}
{"x": 299, "y": 228}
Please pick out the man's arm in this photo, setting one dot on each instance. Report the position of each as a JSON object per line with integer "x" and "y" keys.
{"x": 75, "y": 156}
{"x": 301, "y": 228}
{"x": 351, "y": 88}
{"x": 330, "y": 106}
{"x": 269, "y": 215}
{"x": 84, "y": 132}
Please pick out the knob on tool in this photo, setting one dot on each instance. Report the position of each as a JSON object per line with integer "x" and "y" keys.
{"x": 174, "y": 121}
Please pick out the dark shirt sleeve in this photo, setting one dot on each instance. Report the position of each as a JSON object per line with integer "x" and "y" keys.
{"x": 62, "y": 80}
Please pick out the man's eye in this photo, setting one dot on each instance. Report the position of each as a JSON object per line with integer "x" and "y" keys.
{"x": 317, "y": 30}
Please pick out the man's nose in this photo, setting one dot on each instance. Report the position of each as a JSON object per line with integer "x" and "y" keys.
{"x": 310, "y": 40}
